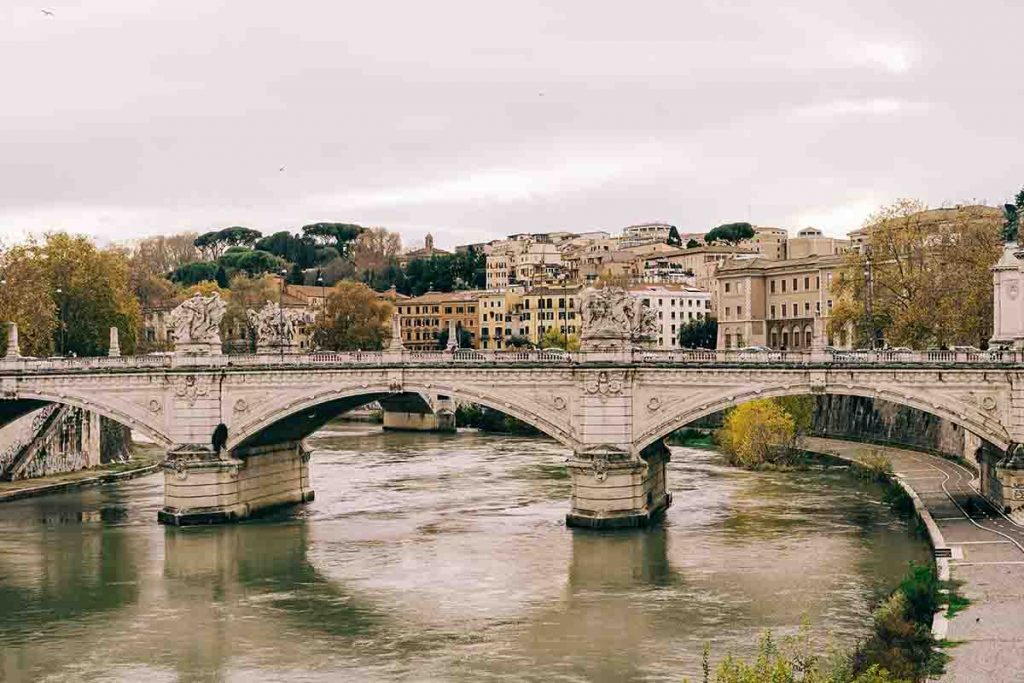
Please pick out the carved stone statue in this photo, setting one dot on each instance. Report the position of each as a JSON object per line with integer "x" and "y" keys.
{"x": 276, "y": 329}
{"x": 615, "y": 320}
{"x": 196, "y": 323}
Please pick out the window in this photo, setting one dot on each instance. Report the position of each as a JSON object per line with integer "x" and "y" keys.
{"x": 739, "y": 311}
{"x": 783, "y": 285}
{"x": 828, "y": 305}
{"x": 817, "y": 282}
{"x": 796, "y": 310}
{"x": 727, "y": 286}
{"x": 807, "y": 283}
{"x": 772, "y": 315}
{"x": 794, "y": 284}
{"x": 817, "y": 307}
{"x": 728, "y": 341}
{"x": 771, "y": 286}
{"x": 807, "y": 307}
{"x": 727, "y": 312}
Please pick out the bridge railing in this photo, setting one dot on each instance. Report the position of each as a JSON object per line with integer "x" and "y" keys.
{"x": 514, "y": 357}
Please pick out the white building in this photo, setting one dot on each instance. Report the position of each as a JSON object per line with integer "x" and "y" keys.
{"x": 646, "y": 233}
{"x": 675, "y": 306}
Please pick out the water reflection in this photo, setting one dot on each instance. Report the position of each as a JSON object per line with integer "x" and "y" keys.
{"x": 437, "y": 557}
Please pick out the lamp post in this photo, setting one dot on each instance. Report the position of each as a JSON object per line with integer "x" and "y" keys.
{"x": 869, "y": 294}
{"x": 60, "y": 321}
{"x": 323, "y": 299}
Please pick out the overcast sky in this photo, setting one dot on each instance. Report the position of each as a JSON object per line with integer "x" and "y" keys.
{"x": 125, "y": 118}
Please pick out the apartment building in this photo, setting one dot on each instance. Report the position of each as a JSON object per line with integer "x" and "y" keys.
{"x": 551, "y": 306}
{"x": 768, "y": 242}
{"x": 500, "y": 318}
{"x": 675, "y": 306}
{"x": 780, "y": 304}
{"x": 812, "y": 242}
{"x": 423, "y": 318}
{"x": 647, "y": 233}
{"x": 523, "y": 260}
{"x": 703, "y": 262}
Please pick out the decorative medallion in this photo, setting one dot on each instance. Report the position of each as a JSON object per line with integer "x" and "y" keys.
{"x": 180, "y": 471}
{"x": 599, "y": 464}
{"x": 654, "y": 404}
{"x": 154, "y": 406}
{"x": 241, "y": 405}
{"x": 988, "y": 403}
{"x": 559, "y": 403}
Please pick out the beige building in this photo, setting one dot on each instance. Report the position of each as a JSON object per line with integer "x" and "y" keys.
{"x": 780, "y": 304}
{"x": 646, "y": 233}
{"x": 769, "y": 243}
{"x": 524, "y": 261}
{"x": 703, "y": 262}
{"x": 812, "y": 242}
{"x": 423, "y": 318}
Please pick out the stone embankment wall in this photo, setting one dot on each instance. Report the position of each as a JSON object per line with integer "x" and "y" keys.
{"x": 863, "y": 419}
{"x": 79, "y": 439}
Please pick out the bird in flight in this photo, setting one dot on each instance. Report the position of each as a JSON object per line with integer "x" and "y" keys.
{"x": 47, "y": 12}
{"x": 280, "y": 169}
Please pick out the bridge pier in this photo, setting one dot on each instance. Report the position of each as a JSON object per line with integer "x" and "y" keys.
{"x": 201, "y": 487}
{"x": 416, "y": 413}
{"x": 614, "y": 492}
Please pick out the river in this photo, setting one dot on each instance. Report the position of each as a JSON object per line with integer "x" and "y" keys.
{"x": 439, "y": 557}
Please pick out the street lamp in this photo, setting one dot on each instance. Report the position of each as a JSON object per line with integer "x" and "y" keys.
{"x": 323, "y": 298}
{"x": 869, "y": 295}
{"x": 60, "y": 320}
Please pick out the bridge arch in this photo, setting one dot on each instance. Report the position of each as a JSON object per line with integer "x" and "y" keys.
{"x": 966, "y": 416}
{"x": 293, "y": 418}
{"x": 106, "y": 409}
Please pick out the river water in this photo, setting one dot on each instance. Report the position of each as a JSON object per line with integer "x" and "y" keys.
{"x": 438, "y": 557}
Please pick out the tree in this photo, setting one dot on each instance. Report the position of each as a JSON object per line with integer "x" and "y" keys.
{"x": 801, "y": 409}
{"x": 153, "y": 290}
{"x": 247, "y": 293}
{"x": 699, "y": 334}
{"x": 250, "y": 262}
{"x": 193, "y": 272}
{"x": 375, "y": 248}
{"x": 757, "y": 433}
{"x": 355, "y": 318}
{"x": 674, "y": 240}
{"x": 517, "y": 341}
{"x": 213, "y": 244}
{"x": 26, "y": 298}
{"x": 160, "y": 255}
{"x": 300, "y": 250}
{"x": 96, "y": 294}
{"x": 296, "y": 276}
{"x": 222, "y": 277}
{"x": 337, "y": 235}
{"x": 929, "y": 276}
{"x": 730, "y": 233}
{"x": 692, "y": 244}
{"x": 554, "y": 339}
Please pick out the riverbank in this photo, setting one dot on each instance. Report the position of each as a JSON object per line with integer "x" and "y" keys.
{"x": 974, "y": 545}
{"x": 146, "y": 459}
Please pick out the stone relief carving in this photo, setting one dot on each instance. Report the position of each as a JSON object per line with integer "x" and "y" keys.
{"x": 604, "y": 384}
{"x": 613, "y": 317}
{"x": 196, "y": 324}
{"x": 276, "y": 328}
{"x": 190, "y": 389}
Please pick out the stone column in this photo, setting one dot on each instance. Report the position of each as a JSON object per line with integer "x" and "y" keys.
{"x": 115, "y": 344}
{"x": 396, "y": 345}
{"x": 13, "y": 352}
{"x": 453, "y": 336}
{"x": 202, "y": 488}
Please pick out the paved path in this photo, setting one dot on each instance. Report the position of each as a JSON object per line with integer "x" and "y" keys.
{"x": 987, "y": 551}
{"x": 146, "y": 458}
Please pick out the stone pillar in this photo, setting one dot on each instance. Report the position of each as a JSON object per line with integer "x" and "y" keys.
{"x": 1008, "y": 299}
{"x": 92, "y": 442}
{"x": 396, "y": 335}
{"x": 612, "y": 484}
{"x": 115, "y": 344}
{"x": 202, "y": 488}
{"x": 13, "y": 352}
{"x": 453, "y": 336}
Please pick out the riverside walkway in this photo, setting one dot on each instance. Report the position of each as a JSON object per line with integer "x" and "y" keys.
{"x": 986, "y": 553}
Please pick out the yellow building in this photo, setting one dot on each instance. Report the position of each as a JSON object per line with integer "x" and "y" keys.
{"x": 423, "y": 318}
{"x": 551, "y": 307}
{"x": 500, "y": 318}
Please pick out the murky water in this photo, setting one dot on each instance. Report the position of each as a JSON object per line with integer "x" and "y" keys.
{"x": 428, "y": 557}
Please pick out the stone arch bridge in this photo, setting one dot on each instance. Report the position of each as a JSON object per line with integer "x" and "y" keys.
{"x": 233, "y": 426}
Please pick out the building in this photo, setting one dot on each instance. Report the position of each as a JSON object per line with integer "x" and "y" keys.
{"x": 157, "y": 332}
{"x": 703, "y": 262}
{"x": 812, "y": 242}
{"x": 422, "y": 319}
{"x": 523, "y": 260}
{"x": 426, "y": 251}
{"x": 675, "y": 306}
{"x": 780, "y": 304}
{"x": 549, "y": 307}
{"x": 769, "y": 242}
{"x": 500, "y": 318}
{"x": 647, "y": 233}
{"x": 585, "y": 260}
